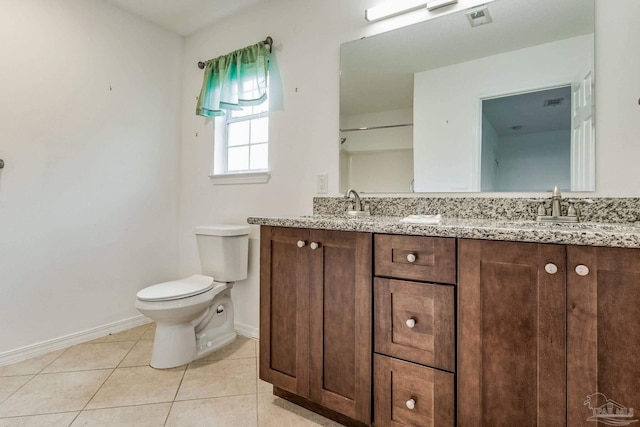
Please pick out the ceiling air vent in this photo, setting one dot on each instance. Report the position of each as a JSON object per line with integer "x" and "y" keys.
{"x": 553, "y": 102}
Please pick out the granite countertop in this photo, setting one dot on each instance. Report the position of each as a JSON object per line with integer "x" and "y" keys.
{"x": 590, "y": 234}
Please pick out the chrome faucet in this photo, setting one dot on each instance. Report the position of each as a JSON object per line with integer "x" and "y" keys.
{"x": 555, "y": 203}
{"x": 556, "y": 209}
{"x": 358, "y": 209}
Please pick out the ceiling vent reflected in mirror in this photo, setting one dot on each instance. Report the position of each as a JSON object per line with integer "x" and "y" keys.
{"x": 479, "y": 16}
{"x": 553, "y": 102}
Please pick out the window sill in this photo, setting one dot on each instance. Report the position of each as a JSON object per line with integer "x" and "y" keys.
{"x": 241, "y": 178}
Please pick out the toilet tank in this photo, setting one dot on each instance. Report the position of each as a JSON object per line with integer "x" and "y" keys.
{"x": 224, "y": 251}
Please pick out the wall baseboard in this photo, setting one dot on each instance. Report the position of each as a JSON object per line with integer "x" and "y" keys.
{"x": 247, "y": 331}
{"x": 38, "y": 349}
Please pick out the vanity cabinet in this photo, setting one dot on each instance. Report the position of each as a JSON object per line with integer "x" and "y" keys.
{"x": 450, "y": 331}
{"x": 414, "y": 331}
{"x": 547, "y": 334}
{"x": 315, "y": 317}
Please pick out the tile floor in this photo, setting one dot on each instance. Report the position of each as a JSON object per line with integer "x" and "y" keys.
{"x": 108, "y": 382}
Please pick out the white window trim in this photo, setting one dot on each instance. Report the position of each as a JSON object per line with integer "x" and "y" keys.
{"x": 261, "y": 177}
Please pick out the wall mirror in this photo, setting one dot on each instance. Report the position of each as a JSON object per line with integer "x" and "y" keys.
{"x": 441, "y": 106}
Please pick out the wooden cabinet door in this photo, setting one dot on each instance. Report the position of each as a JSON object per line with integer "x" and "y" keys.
{"x": 340, "y": 322}
{"x": 511, "y": 336}
{"x": 603, "y": 291}
{"x": 284, "y": 308}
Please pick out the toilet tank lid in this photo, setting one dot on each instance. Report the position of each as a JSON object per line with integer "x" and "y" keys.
{"x": 176, "y": 289}
{"x": 223, "y": 230}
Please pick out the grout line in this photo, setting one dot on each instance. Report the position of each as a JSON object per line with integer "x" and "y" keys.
{"x": 109, "y": 376}
{"x": 176, "y": 394}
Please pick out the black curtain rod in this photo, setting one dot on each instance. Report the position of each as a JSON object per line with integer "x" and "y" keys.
{"x": 268, "y": 42}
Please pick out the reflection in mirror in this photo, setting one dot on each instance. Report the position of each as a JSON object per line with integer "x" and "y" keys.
{"x": 415, "y": 102}
{"x": 526, "y": 141}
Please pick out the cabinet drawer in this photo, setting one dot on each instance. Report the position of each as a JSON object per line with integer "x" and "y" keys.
{"x": 415, "y": 321}
{"x": 411, "y": 395}
{"x": 430, "y": 259}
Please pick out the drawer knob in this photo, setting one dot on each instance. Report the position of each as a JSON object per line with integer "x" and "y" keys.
{"x": 411, "y": 403}
{"x": 551, "y": 268}
{"x": 302, "y": 243}
{"x": 314, "y": 245}
{"x": 582, "y": 270}
{"x": 411, "y": 258}
{"x": 411, "y": 322}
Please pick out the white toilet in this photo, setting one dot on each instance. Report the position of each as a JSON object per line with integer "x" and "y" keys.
{"x": 194, "y": 316}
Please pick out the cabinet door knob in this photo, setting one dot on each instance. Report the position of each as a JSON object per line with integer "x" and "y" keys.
{"x": 551, "y": 268}
{"x": 411, "y": 322}
{"x": 411, "y": 258}
{"x": 302, "y": 243}
{"x": 411, "y": 403}
{"x": 582, "y": 270}
{"x": 314, "y": 245}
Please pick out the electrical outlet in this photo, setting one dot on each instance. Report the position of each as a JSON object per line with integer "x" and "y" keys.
{"x": 323, "y": 183}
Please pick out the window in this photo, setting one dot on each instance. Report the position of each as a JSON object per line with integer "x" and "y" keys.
{"x": 242, "y": 146}
{"x": 247, "y": 139}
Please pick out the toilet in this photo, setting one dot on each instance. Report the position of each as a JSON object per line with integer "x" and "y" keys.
{"x": 194, "y": 316}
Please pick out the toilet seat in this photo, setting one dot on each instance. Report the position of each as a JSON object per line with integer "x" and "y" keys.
{"x": 176, "y": 289}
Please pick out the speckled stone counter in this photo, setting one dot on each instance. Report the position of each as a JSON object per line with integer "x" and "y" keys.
{"x": 613, "y": 235}
{"x": 613, "y": 222}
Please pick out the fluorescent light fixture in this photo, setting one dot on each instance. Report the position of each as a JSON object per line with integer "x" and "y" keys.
{"x": 479, "y": 16}
{"x": 437, "y": 4}
{"x": 392, "y": 8}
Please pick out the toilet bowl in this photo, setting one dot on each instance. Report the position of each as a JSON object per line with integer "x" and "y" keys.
{"x": 194, "y": 315}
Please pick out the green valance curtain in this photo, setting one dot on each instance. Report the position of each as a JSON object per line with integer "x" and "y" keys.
{"x": 234, "y": 80}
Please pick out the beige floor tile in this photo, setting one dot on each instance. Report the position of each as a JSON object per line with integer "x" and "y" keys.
{"x": 218, "y": 378}
{"x": 49, "y": 420}
{"x": 150, "y": 333}
{"x": 241, "y": 348}
{"x": 92, "y": 355}
{"x": 48, "y": 393}
{"x": 135, "y": 416}
{"x": 30, "y": 366}
{"x": 233, "y": 411}
{"x": 263, "y": 386}
{"x": 9, "y": 385}
{"x": 140, "y": 355}
{"x": 133, "y": 334}
{"x": 276, "y": 412}
{"x": 137, "y": 386}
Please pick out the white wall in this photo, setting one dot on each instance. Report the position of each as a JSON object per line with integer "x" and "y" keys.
{"x": 536, "y": 161}
{"x": 447, "y": 112}
{"x": 379, "y": 159}
{"x": 380, "y": 171}
{"x": 304, "y": 135}
{"x": 89, "y": 128}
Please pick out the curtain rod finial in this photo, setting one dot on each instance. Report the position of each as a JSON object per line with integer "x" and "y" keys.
{"x": 201, "y": 65}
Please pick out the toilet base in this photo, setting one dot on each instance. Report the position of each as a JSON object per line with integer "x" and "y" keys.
{"x": 208, "y": 347}
{"x": 174, "y": 345}
{"x": 182, "y": 343}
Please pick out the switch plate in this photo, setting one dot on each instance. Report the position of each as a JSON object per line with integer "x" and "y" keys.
{"x": 323, "y": 183}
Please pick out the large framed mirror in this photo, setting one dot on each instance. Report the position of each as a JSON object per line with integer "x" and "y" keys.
{"x": 444, "y": 106}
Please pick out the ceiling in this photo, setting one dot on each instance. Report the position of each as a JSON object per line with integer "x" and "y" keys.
{"x": 183, "y": 16}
